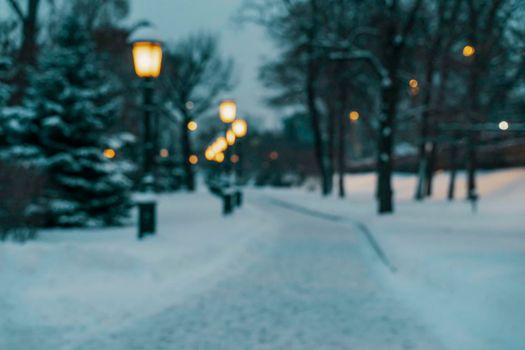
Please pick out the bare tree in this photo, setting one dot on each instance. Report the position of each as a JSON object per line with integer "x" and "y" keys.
{"x": 195, "y": 74}
{"x": 440, "y": 34}
{"x": 486, "y": 24}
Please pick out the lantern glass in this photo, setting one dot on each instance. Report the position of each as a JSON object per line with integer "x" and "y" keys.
{"x": 147, "y": 59}
{"x": 219, "y": 157}
{"x": 240, "y": 128}
{"x": 221, "y": 144}
{"x": 230, "y": 137}
{"x": 228, "y": 111}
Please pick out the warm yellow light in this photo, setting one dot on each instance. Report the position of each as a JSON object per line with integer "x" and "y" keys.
{"x": 208, "y": 154}
{"x": 274, "y": 155}
{"x": 192, "y": 126}
{"x": 164, "y": 153}
{"x": 240, "y": 128}
{"x": 504, "y": 125}
{"x": 234, "y": 159}
{"x": 147, "y": 59}
{"x": 110, "y": 153}
{"x": 354, "y": 116}
{"x": 469, "y": 51}
{"x": 193, "y": 159}
{"x": 219, "y": 157}
{"x": 228, "y": 111}
{"x": 221, "y": 144}
{"x": 230, "y": 137}
{"x": 413, "y": 83}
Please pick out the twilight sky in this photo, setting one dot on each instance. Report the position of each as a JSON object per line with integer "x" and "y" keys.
{"x": 247, "y": 44}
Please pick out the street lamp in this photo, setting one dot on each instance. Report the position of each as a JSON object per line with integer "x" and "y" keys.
{"x": 354, "y": 116}
{"x": 192, "y": 126}
{"x": 227, "y": 115}
{"x": 109, "y": 153}
{"x": 147, "y": 58}
{"x": 469, "y": 51}
{"x": 228, "y": 111}
{"x": 147, "y": 62}
{"x": 230, "y": 137}
{"x": 240, "y": 128}
{"x": 221, "y": 144}
{"x": 219, "y": 157}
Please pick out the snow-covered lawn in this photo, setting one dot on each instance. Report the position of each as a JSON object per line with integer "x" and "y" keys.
{"x": 69, "y": 286}
{"x": 463, "y": 272}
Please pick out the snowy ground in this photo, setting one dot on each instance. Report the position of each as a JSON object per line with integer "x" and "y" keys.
{"x": 463, "y": 273}
{"x": 289, "y": 271}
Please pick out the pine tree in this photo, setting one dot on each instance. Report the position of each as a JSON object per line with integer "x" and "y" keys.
{"x": 74, "y": 106}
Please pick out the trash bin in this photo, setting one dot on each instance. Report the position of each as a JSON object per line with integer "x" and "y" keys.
{"x": 147, "y": 218}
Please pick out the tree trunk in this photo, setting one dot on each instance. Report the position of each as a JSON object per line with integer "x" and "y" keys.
{"x": 30, "y": 29}
{"x": 385, "y": 163}
{"x": 332, "y": 138}
{"x": 453, "y": 172}
{"x": 341, "y": 118}
{"x": 423, "y": 155}
{"x": 311, "y": 96}
{"x": 27, "y": 55}
{"x": 431, "y": 166}
{"x": 389, "y": 98}
{"x": 472, "y": 115}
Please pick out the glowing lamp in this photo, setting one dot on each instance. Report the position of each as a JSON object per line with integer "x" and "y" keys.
{"x": 209, "y": 154}
{"x": 192, "y": 126}
{"x": 354, "y": 116}
{"x": 219, "y": 157}
{"x": 110, "y": 153}
{"x": 240, "y": 128}
{"x": 193, "y": 159}
{"x": 228, "y": 111}
{"x": 504, "y": 125}
{"x": 469, "y": 51}
{"x": 147, "y": 58}
{"x": 230, "y": 137}
{"x": 221, "y": 144}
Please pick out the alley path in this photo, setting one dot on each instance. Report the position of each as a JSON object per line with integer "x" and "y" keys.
{"x": 311, "y": 285}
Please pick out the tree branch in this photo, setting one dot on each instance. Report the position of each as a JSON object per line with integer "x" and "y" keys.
{"x": 18, "y": 10}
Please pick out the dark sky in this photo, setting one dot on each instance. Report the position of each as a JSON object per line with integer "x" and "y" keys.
{"x": 247, "y": 44}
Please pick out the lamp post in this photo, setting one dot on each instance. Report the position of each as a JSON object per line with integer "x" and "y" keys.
{"x": 240, "y": 129}
{"x": 227, "y": 114}
{"x": 147, "y": 61}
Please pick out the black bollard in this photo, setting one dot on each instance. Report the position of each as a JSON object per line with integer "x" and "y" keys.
{"x": 227, "y": 203}
{"x": 238, "y": 198}
{"x": 147, "y": 219}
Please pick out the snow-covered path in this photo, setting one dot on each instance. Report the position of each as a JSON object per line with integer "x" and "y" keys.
{"x": 311, "y": 284}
